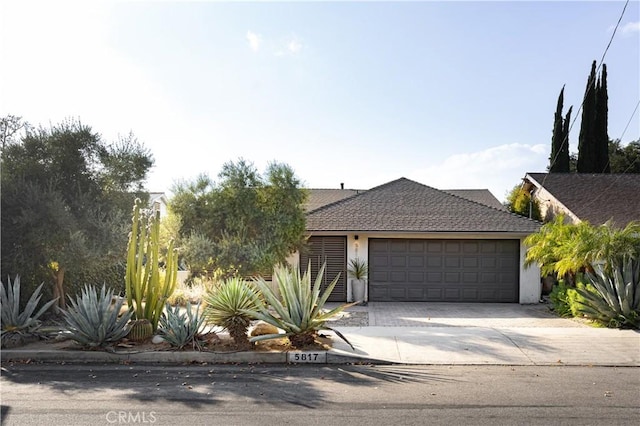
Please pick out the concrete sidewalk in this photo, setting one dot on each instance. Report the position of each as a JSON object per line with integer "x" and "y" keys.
{"x": 426, "y": 333}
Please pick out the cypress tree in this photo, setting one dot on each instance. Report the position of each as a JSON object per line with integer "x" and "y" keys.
{"x": 601, "y": 120}
{"x": 565, "y": 136}
{"x": 559, "y": 141}
{"x": 587, "y": 148}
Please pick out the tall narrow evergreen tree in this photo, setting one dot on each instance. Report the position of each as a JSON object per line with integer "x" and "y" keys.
{"x": 559, "y": 141}
{"x": 601, "y": 122}
{"x": 587, "y": 148}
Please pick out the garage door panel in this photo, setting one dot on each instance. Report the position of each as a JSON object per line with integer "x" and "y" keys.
{"x": 451, "y": 262}
{"x": 416, "y": 277}
{"x": 434, "y": 277}
{"x": 416, "y": 247}
{"x": 445, "y": 270}
{"x": 398, "y": 277}
{"x": 398, "y": 261}
{"x": 452, "y": 247}
{"x": 398, "y": 247}
{"x": 471, "y": 247}
{"x": 434, "y": 294}
{"x": 416, "y": 261}
{"x": 469, "y": 277}
{"x": 434, "y": 262}
{"x": 470, "y": 262}
{"x": 415, "y": 293}
{"x": 470, "y": 294}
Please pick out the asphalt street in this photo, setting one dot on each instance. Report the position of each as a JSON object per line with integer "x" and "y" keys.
{"x": 196, "y": 394}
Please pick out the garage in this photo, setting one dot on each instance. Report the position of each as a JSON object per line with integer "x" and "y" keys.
{"x": 331, "y": 250}
{"x": 426, "y": 270}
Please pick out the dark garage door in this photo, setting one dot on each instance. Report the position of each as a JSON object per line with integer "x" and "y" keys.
{"x": 333, "y": 251}
{"x": 443, "y": 270}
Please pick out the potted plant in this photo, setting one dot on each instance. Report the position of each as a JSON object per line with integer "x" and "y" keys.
{"x": 358, "y": 271}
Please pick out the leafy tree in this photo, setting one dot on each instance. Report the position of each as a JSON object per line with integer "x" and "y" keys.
{"x": 519, "y": 202}
{"x": 560, "y": 141}
{"x": 244, "y": 224}
{"x": 560, "y": 248}
{"x": 11, "y": 128}
{"x": 66, "y": 202}
{"x": 624, "y": 159}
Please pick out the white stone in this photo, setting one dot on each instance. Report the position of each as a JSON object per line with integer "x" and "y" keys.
{"x": 156, "y": 340}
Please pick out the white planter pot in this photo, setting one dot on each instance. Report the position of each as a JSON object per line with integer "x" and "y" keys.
{"x": 358, "y": 289}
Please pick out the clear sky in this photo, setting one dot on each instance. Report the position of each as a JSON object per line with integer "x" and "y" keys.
{"x": 450, "y": 94}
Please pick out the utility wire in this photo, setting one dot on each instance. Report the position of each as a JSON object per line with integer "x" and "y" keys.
{"x": 591, "y": 84}
{"x": 619, "y": 176}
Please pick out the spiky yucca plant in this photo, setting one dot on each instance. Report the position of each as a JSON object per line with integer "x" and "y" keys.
{"x": 299, "y": 310}
{"x": 227, "y": 307}
{"x": 180, "y": 327}
{"x": 15, "y": 322}
{"x": 91, "y": 319}
{"x": 616, "y": 301}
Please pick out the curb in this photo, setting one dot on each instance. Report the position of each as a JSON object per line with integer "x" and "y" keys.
{"x": 168, "y": 357}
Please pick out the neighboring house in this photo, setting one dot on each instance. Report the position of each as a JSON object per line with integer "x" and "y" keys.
{"x": 158, "y": 202}
{"x": 422, "y": 244}
{"x": 482, "y": 196}
{"x": 595, "y": 198}
{"x": 322, "y": 197}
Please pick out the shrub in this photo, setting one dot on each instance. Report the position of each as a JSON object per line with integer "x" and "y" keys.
{"x": 92, "y": 321}
{"x": 228, "y": 306}
{"x": 299, "y": 309}
{"x": 616, "y": 299}
{"x": 16, "y": 324}
{"x": 560, "y": 299}
{"x": 181, "y": 327}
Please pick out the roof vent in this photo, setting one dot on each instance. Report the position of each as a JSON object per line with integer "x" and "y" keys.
{"x": 341, "y": 185}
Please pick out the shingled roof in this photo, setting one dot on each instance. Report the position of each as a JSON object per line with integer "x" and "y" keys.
{"x": 482, "y": 196}
{"x": 321, "y": 197}
{"x": 595, "y": 198}
{"x": 407, "y": 206}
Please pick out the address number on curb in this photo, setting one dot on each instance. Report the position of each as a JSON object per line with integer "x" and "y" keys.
{"x": 307, "y": 357}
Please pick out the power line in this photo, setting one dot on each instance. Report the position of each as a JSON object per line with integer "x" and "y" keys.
{"x": 604, "y": 54}
{"x": 619, "y": 176}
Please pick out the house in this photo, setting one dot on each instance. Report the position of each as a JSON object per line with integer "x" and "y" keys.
{"x": 158, "y": 203}
{"x": 421, "y": 244}
{"x": 595, "y": 198}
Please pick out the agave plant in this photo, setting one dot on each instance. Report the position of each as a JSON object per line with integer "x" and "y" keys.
{"x": 181, "y": 327}
{"x": 91, "y": 319}
{"x": 16, "y": 323}
{"x": 228, "y": 306}
{"x": 616, "y": 301}
{"x": 299, "y": 310}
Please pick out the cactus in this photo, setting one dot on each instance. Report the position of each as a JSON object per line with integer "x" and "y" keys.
{"x": 147, "y": 291}
{"x": 140, "y": 330}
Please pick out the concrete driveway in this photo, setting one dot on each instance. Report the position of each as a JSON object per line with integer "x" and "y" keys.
{"x": 480, "y": 334}
{"x": 408, "y": 314}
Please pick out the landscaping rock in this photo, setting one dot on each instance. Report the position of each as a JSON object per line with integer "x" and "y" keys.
{"x": 262, "y": 328}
